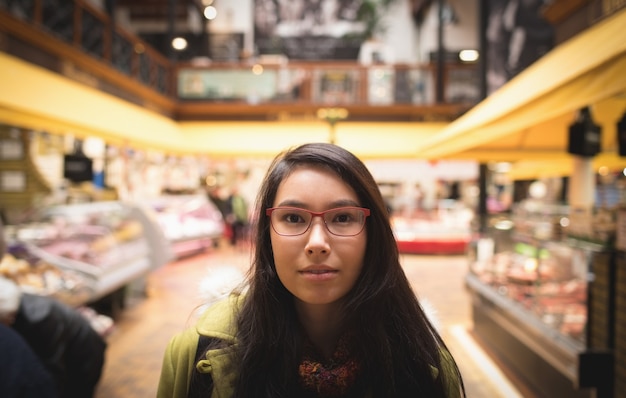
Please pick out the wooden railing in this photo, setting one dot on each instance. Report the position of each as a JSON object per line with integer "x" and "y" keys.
{"x": 76, "y": 32}
{"x": 394, "y": 92}
{"x": 91, "y": 31}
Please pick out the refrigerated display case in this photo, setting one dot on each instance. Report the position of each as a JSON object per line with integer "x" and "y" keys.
{"x": 445, "y": 231}
{"x": 191, "y": 223}
{"x": 80, "y": 253}
{"x": 534, "y": 291}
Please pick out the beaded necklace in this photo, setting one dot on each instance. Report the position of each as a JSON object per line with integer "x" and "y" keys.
{"x": 329, "y": 378}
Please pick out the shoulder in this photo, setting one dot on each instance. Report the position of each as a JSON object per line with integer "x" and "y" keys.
{"x": 219, "y": 320}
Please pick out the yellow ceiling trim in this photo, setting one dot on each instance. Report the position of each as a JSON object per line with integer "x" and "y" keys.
{"x": 561, "y": 166}
{"x": 507, "y": 155}
{"x": 367, "y": 140}
{"x": 36, "y": 97}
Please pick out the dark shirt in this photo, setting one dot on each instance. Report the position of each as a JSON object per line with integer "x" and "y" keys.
{"x": 22, "y": 375}
{"x": 72, "y": 351}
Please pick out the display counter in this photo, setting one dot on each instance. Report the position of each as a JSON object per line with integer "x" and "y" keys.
{"x": 444, "y": 231}
{"x": 191, "y": 223}
{"x": 532, "y": 306}
{"x": 83, "y": 252}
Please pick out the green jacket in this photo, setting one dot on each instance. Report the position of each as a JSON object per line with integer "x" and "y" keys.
{"x": 178, "y": 363}
{"x": 218, "y": 321}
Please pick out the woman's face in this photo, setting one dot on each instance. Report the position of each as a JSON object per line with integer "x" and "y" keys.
{"x": 317, "y": 267}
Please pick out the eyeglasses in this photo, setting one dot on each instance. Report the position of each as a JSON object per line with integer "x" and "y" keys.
{"x": 342, "y": 221}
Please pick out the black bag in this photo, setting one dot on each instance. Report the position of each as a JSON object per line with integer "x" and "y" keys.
{"x": 201, "y": 384}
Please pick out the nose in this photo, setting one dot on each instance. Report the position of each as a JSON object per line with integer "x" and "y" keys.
{"x": 318, "y": 242}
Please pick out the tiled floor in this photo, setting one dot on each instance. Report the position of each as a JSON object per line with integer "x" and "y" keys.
{"x": 173, "y": 296}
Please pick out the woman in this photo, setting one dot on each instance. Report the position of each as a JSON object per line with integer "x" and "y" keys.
{"x": 328, "y": 310}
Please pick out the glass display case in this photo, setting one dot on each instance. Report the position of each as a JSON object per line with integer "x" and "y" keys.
{"x": 547, "y": 280}
{"x": 531, "y": 287}
{"x": 191, "y": 223}
{"x": 445, "y": 231}
{"x": 80, "y": 253}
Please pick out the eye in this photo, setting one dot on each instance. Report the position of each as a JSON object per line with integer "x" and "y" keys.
{"x": 344, "y": 217}
{"x": 293, "y": 218}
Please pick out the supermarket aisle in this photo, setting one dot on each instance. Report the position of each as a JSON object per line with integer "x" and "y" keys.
{"x": 145, "y": 326}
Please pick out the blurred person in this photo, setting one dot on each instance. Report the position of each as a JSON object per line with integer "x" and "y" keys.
{"x": 237, "y": 217}
{"x": 327, "y": 310}
{"x": 70, "y": 349}
{"x": 22, "y": 374}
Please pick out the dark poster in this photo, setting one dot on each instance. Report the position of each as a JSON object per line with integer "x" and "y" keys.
{"x": 516, "y": 36}
{"x": 226, "y": 47}
{"x": 308, "y": 29}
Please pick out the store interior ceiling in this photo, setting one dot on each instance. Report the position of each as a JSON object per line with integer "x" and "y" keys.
{"x": 525, "y": 122}
{"x": 156, "y": 20}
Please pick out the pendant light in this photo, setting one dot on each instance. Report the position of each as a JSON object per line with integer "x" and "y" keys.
{"x": 584, "y": 135}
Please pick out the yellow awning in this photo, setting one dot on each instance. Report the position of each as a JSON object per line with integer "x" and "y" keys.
{"x": 528, "y": 118}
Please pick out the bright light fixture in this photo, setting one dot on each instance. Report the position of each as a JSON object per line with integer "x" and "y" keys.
{"x": 210, "y": 12}
{"x": 468, "y": 55}
{"x": 257, "y": 69}
{"x": 179, "y": 43}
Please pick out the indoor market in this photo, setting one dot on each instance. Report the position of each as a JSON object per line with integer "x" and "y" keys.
{"x": 164, "y": 163}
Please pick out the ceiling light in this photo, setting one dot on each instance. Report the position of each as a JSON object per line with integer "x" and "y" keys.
{"x": 257, "y": 69}
{"x": 210, "y": 12}
{"x": 179, "y": 43}
{"x": 468, "y": 55}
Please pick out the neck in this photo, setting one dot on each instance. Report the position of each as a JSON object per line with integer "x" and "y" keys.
{"x": 322, "y": 324}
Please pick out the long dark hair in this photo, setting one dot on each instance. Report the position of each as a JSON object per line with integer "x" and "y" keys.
{"x": 399, "y": 344}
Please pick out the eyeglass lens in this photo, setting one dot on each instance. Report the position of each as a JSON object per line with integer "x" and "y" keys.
{"x": 345, "y": 221}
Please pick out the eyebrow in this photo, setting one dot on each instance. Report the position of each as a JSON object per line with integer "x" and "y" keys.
{"x": 332, "y": 205}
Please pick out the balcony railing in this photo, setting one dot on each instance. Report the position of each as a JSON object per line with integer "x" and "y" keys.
{"x": 82, "y": 27}
{"x": 75, "y": 31}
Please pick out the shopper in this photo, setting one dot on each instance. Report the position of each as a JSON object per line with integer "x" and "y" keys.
{"x": 328, "y": 310}
{"x": 71, "y": 350}
{"x": 22, "y": 375}
{"x": 237, "y": 217}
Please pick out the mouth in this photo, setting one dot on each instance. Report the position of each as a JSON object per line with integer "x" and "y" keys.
{"x": 318, "y": 271}
{"x": 319, "y": 274}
